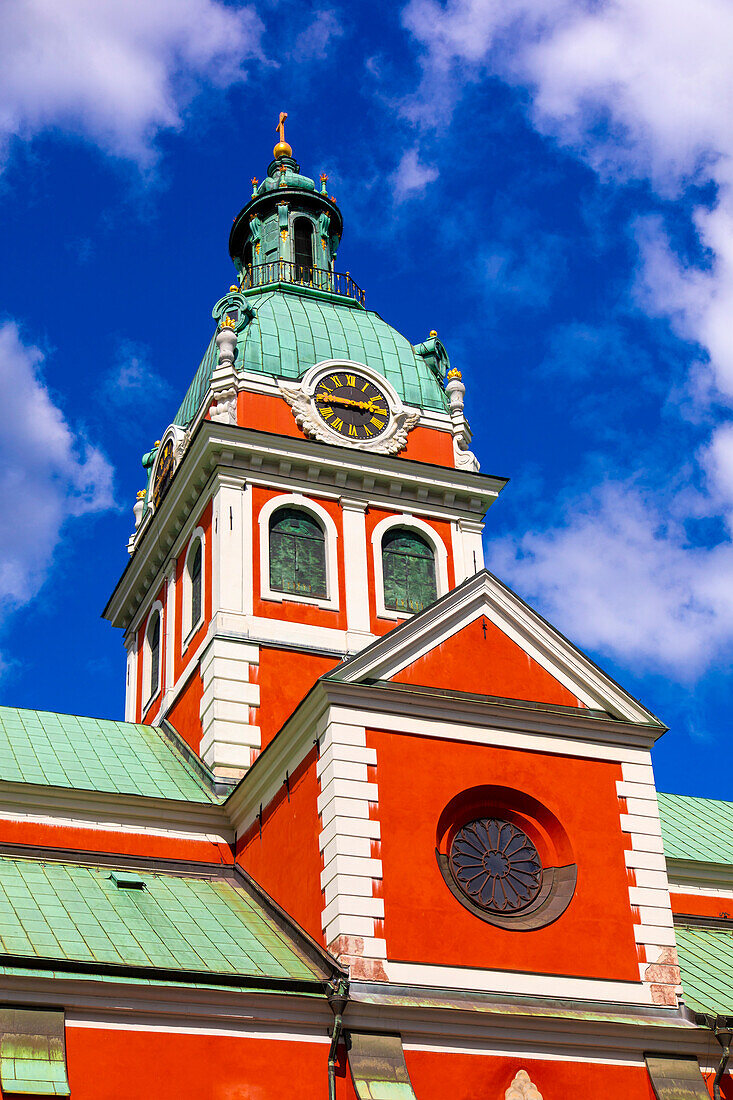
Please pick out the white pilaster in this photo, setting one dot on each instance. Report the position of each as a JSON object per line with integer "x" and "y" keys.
{"x": 459, "y": 564}
{"x": 648, "y": 885}
{"x": 229, "y": 593}
{"x": 348, "y": 841}
{"x": 131, "y": 682}
{"x": 228, "y": 736}
{"x": 356, "y": 577}
{"x": 473, "y": 546}
{"x": 170, "y": 628}
{"x": 248, "y": 581}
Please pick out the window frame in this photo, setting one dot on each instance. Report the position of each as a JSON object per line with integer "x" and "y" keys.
{"x": 148, "y": 694}
{"x": 198, "y": 536}
{"x": 431, "y": 536}
{"x": 330, "y": 602}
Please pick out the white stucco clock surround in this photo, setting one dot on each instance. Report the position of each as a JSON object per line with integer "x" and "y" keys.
{"x": 300, "y": 396}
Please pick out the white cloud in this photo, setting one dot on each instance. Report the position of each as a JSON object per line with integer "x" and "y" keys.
{"x": 48, "y": 474}
{"x": 133, "y": 380}
{"x": 313, "y": 43}
{"x": 411, "y": 176}
{"x": 636, "y": 91}
{"x": 621, "y": 577}
{"x": 115, "y": 72}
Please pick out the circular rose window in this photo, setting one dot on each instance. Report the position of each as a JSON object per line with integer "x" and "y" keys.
{"x": 496, "y": 865}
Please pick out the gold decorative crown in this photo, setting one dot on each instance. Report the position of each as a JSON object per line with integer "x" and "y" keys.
{"x": 228, "y": 322}
{"x": 454, "y": 373}
{"x": 433, "y": 334}
{"x": 141, "y": 494}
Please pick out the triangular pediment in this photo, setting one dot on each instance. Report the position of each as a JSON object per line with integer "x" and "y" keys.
{"x": 482, "y": 638}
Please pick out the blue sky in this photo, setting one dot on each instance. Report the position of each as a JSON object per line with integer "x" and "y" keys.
{"x": 547, "y": 183}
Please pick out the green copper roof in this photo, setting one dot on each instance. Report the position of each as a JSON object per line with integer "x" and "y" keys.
{"x": 698, "y": 829}
{"x": 706, "y": 961}
{"x": 92, "y": 754}
{"x": 290, "y": 331}
{"x": 74, "y": 913}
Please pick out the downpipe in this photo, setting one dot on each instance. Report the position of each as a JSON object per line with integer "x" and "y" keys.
{"x": 338, "y": 998}
{"x": 724, "y": 1038}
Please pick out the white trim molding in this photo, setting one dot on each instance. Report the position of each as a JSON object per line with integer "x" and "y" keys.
{"x": 131, "y": 685}
{"x": 330, "y": 532}
{"x": 149, "y": 696}
{"x": 199, "y": 536}
{"x": 485, "y": 595}
{"x": 412, "y": 523}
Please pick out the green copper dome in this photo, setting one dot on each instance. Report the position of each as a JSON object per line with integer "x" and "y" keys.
{"x": 291, "y": 309}
{"x": 287, "y": 331}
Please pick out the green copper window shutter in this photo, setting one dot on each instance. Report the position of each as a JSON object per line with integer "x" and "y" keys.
{"x": 378, "y": 1067}
{"x": 408, "y": 570}
{"x": 195, "y": 568}
{"x": 297, "y": 554}
{"x": 32, "y": 1052}
{"x": 154, "y": 635}
{"x": 676, "y": 1078}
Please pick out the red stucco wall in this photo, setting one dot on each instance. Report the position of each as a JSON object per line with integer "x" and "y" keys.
{"x": 488, "y": 662}
{"x": 285, "y": 677}
{"x": 285, "y": 860}
{"x": 418, "y": 776}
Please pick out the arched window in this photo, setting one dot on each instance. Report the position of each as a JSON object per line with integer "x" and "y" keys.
{"x": 303, "y": 240}
{"x": 194, "y": 576}
{"x": 408, "y": 571}
{"x": 153, "y": 639}
{"x": 297, "y": 553}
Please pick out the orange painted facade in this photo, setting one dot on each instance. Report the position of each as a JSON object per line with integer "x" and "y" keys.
{"x": 482, "y": 659}
{"x": 109, "y": 1064}
{"x": 285, "y": 677}
{"x": 290, "y": 830}
{"x": 185, "y": 714}
{"x": 702, "y": 905}
{"x": 465, "y": 1075}
{"x": 271, "y": 414}
{"x": 150, "y": 845}
{"x": 594, "y": 938}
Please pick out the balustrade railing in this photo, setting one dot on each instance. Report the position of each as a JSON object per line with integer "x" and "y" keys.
{"x": 285, "y": 271}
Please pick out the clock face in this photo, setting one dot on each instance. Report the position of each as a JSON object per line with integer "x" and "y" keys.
{"x": 351, "y": 405}
{"x": 164, "y": 472}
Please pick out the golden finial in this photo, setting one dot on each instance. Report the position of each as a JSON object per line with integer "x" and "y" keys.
{"x": 453, "y": 373}
{"x": 333, "y": 199}
{"x": 282, "y": 149}
{"x": 433, "y": 334}
{"x": 324, "y": 181}
{"x": 233, "y": 289}
{"x": 157, "y": 443}
{"x": 141, "y": 494}
{"x": 228, "y": 322}
{"x": 254, "y": 181}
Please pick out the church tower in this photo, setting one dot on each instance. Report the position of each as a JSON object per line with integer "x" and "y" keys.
{"x": 314, "y": 489}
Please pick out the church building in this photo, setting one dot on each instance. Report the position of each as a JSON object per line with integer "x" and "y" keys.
{"x": 372, "y": 828}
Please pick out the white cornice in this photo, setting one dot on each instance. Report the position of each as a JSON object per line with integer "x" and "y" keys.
{"x": 60, "y": 806}
{"x": 438, "y": 714}
{"x": 264, "y": 458}
{"x": 593, "y": 1033}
